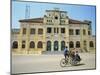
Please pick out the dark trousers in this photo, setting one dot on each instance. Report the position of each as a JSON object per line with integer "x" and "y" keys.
{"x": 65, "y": 55}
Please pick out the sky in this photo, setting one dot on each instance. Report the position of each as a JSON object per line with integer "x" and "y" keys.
{"x": 77, "y": 12}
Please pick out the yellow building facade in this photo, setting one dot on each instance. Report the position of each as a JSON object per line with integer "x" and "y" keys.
{"x": 51, "y": 33}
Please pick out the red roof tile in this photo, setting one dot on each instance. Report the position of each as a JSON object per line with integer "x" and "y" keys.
{"x": 40, "y": 20}
{"x": 34, "y": 20}
{"x": 71, "y": 21}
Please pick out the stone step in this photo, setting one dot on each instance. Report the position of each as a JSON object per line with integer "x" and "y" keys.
{"x": 52, "y": 52}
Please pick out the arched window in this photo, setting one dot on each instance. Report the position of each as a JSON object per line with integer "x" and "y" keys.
{"x": 15, "y": 44}
{"x": 71, "y": 44}
{"x": 77, "y": 44}
{"x": 32, "y": 44}
{"x": 56, "y": 46}
{"x": 62, "y": 45}
{"x": 48, "y": 45}
{"x": 40, "y": 44}
{"x": 91, "y": 44}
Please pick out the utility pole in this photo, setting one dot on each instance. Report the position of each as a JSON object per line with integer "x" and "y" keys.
{"x": 27, "y": 16}
{"x": 27, "y": 12}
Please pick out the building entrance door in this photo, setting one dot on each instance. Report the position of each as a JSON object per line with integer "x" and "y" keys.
{"x": 62, "y": 45}
{"x": 48, "y": 45}
{"x": 56, "y": 46}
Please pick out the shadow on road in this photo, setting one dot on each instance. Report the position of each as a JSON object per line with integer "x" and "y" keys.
{"x": 75, "y": 65}
{"x": 79, "y": 64}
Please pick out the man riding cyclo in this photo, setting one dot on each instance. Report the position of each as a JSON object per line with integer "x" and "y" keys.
{"x": 66, "y": 52}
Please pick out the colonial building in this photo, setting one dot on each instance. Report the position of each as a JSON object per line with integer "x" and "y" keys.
{"x": 51, "y": 33}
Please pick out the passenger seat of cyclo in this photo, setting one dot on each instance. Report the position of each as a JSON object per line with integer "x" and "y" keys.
{"x": 72, "y": 53}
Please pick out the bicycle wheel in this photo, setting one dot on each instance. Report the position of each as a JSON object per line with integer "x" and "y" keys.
{"x": 63, "y": 62}
{"x": 73, "y": 62}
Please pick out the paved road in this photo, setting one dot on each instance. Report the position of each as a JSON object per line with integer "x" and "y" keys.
{"x": 44, "y": 63}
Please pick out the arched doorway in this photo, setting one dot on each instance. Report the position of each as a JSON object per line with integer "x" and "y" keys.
{"x": 48, "y": 45}
{"x": 71, "y": 44}
{"x": 15, "y": 45}
{"x": 62, "y": 45}
{"x": 56, "y": 46}
{"x": 32, "y": 44}
{"x": 77, "y": 44}
{"x": 40, "y": 44}
{"x": 91, "y": 44}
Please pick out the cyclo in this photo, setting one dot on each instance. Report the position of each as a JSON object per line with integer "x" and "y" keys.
{"x": 71, "y": 59}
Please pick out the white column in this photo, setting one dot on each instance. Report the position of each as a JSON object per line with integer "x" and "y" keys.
{"x": 59, "y": 46}
{"x": 74, "y": 42}
{"x": 52, "y": 46}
